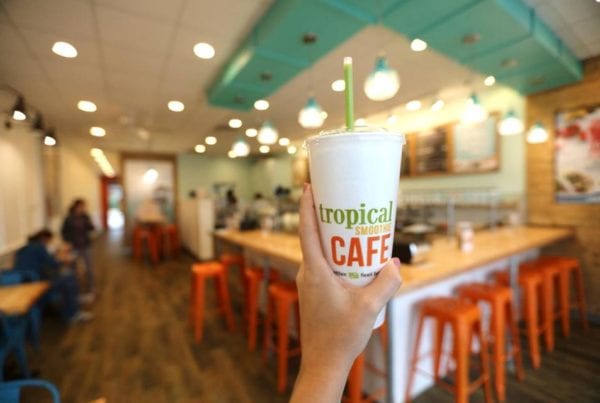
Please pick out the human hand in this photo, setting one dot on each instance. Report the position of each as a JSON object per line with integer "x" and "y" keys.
{"x": 336, "y": 318}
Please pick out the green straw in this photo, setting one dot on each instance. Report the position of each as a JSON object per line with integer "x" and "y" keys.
{"x": 349, "y": 93}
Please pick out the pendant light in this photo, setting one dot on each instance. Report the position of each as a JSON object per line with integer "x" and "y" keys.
{"x": 18, "y": 111}
{"x": 383, "y": 82}
{"x": 311, "y": 116}
{"x": 474, "y": 111}
{"x": 50, "y": 138}
{"x": 267, "y": 134}
{"x": 537, "y": 134}
{"x": 240, "y": 148}
{"x": 510, "y": 125}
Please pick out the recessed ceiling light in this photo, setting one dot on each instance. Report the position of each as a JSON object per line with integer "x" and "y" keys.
{"x": 264, "y": 149}
{"x": 64, "y": 49}
{"x": 97, "y": 131}
{"x": 49, "y": 141}
{"x": 235, "y": 123}
{"x": 231, "y": 154}
{"x": 418, "y": 45}
{"x": 338, "y": 85}
{"x": 437, "y": 105}
{"x": 211, "y": 140}
{"x": 86, "y": 106}
{"x": 251, "y": 132}
{"x": 200, "y": 148}
{"x": 392, "y": 119}
{"x": 324, "y": 115}
{"x": 413, "y": 105}
{"x": 204, "y": 50}
{"x": 292, "y": 150}
{"x": 284, "y": 141}
{"x": 489, "y": 81}
{"x": 261, "y": 105}
{"x": 176, "y": 106}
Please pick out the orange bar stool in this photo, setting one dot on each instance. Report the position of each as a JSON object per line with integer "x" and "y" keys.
{"x": 531, "y": 285}
{"x": 550, "y": 278}
{"x": 465, "y": 320}
{"x": 500, "y": 300}
{"x": 569, "y": 268}
{"x": 151, "y": 237}
{"x": 354, "y": 385}
{"x": 201, "y": 272}
{"x": 170, "y": 234}
{"x": 253, "y": 278}
{"x": 230, "y": 260}
{"x": 282, "y": 298}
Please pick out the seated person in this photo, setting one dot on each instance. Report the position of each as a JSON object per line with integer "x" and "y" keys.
{"x": 59, "y": 270}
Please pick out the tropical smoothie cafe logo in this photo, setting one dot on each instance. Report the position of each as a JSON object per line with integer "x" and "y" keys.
{"x": 371, "y": 239}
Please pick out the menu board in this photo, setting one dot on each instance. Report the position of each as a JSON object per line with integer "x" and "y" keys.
{"x": 475, "y": 146}
{"x": 430, "y": 152}
{"x": 577, "y": 155}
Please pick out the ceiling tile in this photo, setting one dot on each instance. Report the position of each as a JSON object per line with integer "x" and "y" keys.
{"x": 160, "y": 10}
{"x": 68, "y": 20}
{"x": 127, "y": 31}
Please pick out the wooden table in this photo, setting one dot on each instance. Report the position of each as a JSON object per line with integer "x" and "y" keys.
{"x": 18, "y": 299}
{"x": 445, "y": 259}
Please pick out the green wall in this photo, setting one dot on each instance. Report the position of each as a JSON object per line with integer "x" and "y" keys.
{"x": 250, "y": 175}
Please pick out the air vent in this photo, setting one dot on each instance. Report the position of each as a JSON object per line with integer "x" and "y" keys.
{"x": 309, "y": 38}
{"x": 471, "y": 39}
{"x": 266, "y": 76}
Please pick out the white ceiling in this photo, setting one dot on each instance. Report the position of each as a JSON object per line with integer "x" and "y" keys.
{"x": 136, "y": 55}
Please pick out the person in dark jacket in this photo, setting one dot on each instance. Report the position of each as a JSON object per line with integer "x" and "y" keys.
{"x": 34, "y": 257}
{"x": 76, "y": 230}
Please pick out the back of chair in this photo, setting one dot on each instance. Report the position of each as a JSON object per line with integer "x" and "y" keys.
{"x": 12, "y": 277}
{"x": 10, "y": 392}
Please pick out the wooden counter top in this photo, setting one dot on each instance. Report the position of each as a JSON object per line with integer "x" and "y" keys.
{"x": 18, "y": 299}
{"x": 445, "y": 259}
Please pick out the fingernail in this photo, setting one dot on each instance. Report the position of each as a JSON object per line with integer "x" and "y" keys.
{"x": 396, "y": 261}
{"x": 305, "y": 187}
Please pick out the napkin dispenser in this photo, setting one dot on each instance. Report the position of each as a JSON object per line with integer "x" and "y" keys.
{"x": 411, "y": 252}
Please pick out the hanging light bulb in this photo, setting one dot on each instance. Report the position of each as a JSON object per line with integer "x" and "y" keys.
{"x": 311, "y": 116}
{"x": 383, "y": 82}
{"x": 50, "y": 138}
{"x": 240, "y": 148}
{"x": 510, "y": 125}
{"x": 537, "y": 134}
{"x": 267, "y": 134}
{"x": 18, "y": 111}
{"x": 474, "y": 111}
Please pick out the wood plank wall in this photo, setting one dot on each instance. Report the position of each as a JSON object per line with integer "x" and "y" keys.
{"x": 542, "y": 209}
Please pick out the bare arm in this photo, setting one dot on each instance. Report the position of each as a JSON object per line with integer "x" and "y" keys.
{"x": 336, "y": 319}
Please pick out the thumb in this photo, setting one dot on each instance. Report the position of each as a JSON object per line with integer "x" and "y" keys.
{"x": 387, "y": 283}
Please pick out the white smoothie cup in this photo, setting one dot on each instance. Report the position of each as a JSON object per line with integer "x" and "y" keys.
{"x": 354, "y": 177}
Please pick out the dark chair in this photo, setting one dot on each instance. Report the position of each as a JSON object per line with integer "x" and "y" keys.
{"x": 12, "y": 338}
{"x": 10, "y": 392}
{"x": 12, "y": 277}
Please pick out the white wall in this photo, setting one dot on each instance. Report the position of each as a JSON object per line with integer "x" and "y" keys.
{"x": 22, "y": 209}
{"x": 79, "y": 179}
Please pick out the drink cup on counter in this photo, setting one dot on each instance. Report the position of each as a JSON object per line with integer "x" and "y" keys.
{"x": 355, "y": 176}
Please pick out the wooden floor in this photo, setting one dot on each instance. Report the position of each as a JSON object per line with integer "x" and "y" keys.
{"x": 139, "y": 348}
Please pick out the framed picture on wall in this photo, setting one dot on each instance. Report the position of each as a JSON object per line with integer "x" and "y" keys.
{"x": 475, "y": 146}
{"x": 429, "y": 151}
{"x": 577, "y": 155}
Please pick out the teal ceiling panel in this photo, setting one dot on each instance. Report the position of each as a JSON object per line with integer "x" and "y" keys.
{"x": 541, "y": 78}
{"x": 413, "y": 17}
{"x": 289, "y": 21}
{"x": 233, "y": 96}
{"x": 503, "y": 38}
{"x": 488, "y": 27}
{"x": 513, "y": 59}
{"x": 368, "y": 11}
